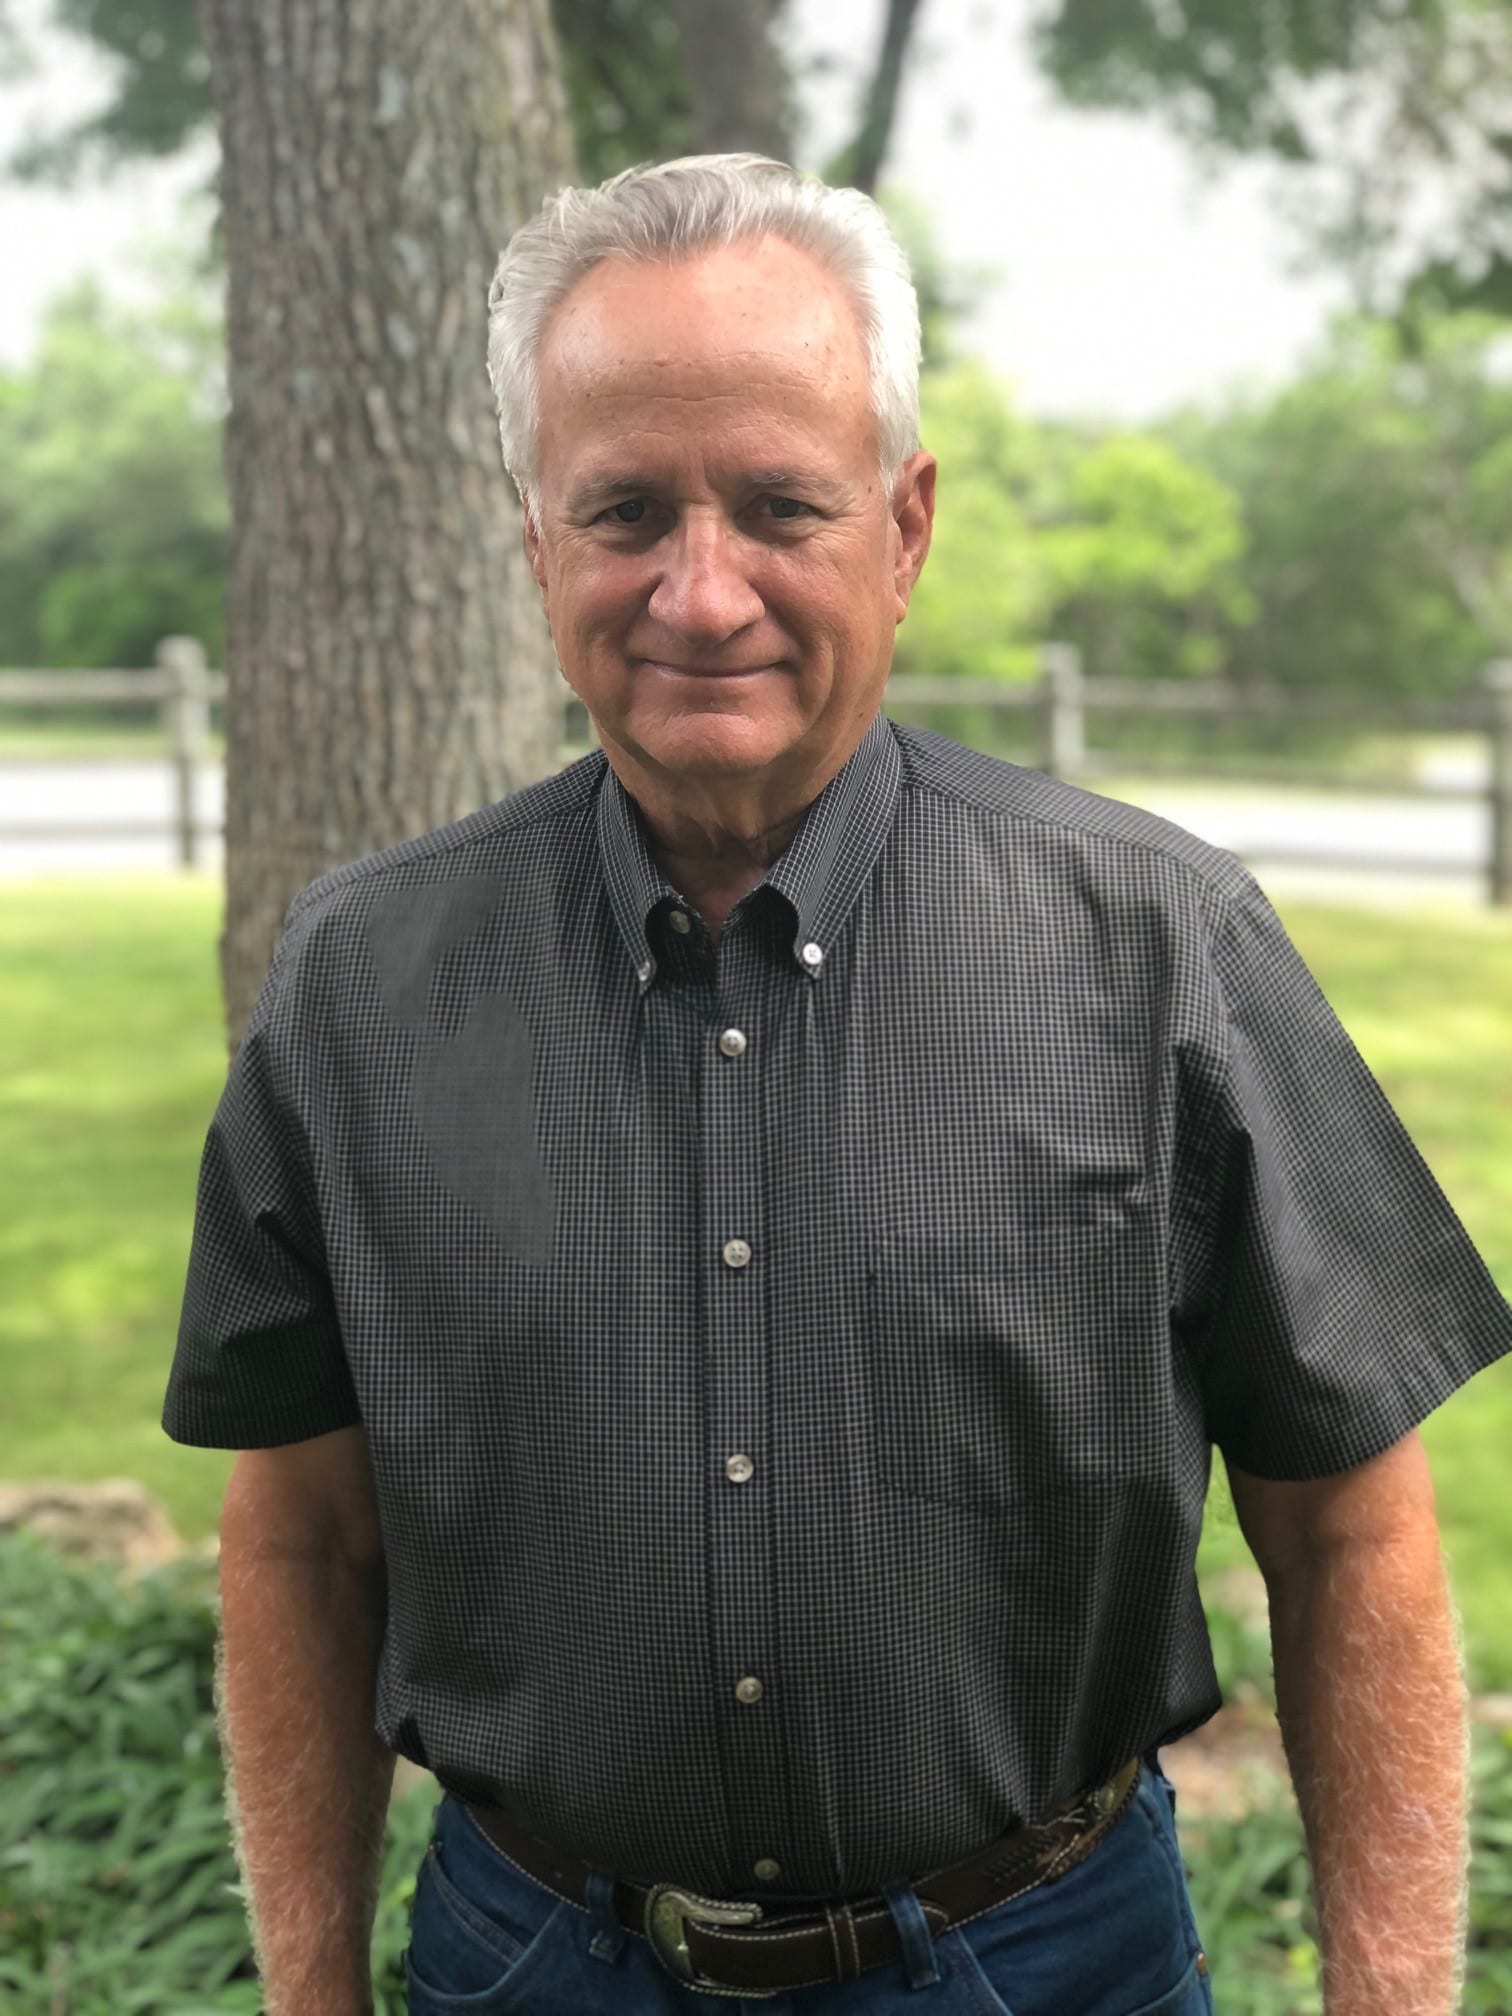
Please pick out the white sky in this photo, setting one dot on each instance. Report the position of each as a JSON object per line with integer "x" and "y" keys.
{"x": 1128, "y": 281}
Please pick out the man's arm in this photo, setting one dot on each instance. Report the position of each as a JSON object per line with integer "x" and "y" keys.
{"x": 303, "y": 1604}
{"x": 1370, "y": 1696}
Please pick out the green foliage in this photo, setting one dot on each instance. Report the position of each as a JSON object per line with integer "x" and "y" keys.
{"x": 627, "y": 91}
{"x": 161, "y": 99}
{"x": 113, "y": 510}
{"x": 1117, "y": 544}
{"x": 1408, "y": 79}
{"x": 1252, "y": 1899}
{"x": 1241, "y": 1654}
{"x": 1377, "y": 510}
{"x": 120, "y": 1896}
{"x": 119, "y": 1892}
{"x": 1142, "y": 553}
{"x": 946, "y": 292}
{"x": 981, "y": 599}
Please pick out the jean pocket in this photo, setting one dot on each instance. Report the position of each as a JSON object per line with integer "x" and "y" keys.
{"x": 1110, "y": 1937}
{"x": 462, "y": 1956}
{"x": 1188, "y": 1998}
{"x": 1158, "y": 1772}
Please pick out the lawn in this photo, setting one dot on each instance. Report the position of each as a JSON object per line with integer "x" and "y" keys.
{"x": 110, "y": 1025}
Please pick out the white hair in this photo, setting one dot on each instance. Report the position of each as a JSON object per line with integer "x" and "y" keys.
{"x": 684, "y": 207}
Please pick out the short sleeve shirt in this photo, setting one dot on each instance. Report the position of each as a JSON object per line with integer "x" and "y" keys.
{"x": 791, "y": 1364}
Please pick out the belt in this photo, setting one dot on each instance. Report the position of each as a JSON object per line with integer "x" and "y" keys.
{"x": 740, "y": 1947}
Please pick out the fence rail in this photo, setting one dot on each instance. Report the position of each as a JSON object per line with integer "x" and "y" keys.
{"x": 183, "y": 688}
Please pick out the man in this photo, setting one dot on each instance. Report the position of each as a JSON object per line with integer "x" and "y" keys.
{"x": 726, "y": 1266}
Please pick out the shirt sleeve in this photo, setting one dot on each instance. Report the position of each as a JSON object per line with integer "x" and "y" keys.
{"x": 259, "y": 1358}
{"x": 1350, "y": 1300}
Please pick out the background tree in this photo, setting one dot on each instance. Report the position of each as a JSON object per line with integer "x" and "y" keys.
{"x": 1402, "y": 107}
{"x": 386, "y": 662}
{"x": 1376, "y": 495}
{"x": 645, "y": 80}
{"x": 113, "y": 512}
{"x": 1113, "y": 541}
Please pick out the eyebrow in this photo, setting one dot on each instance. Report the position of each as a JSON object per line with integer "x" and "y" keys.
{"x": 600, "y": 489}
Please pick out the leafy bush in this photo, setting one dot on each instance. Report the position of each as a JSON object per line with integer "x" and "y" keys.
{"x": 1252, "y": 1898}
{"x": 119, "y": 1893}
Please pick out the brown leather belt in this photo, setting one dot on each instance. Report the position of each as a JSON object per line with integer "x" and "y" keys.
{"x": 717, "y": 1944}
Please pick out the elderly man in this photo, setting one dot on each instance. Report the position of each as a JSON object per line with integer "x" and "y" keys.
{"x": 726, "y": 1266}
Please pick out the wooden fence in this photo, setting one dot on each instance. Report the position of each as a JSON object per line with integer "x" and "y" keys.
{"x": 183, "y": 687}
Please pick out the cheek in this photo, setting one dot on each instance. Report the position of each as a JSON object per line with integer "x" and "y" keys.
{"x": 827, "y": 593}
{"x": 596, "y": 602}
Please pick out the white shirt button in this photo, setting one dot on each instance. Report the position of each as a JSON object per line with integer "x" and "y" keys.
{"x": 680, "y": 921}
{"x": 736, "y": 1252}
{"x": 644, "y": 972}
{"x": 738, "y": 1468}
{"x": 732, "y": 1042}
{"x": 811, "y": 954}
{"x": 767, "y": 1870}
{"x": 749, "y": 1689}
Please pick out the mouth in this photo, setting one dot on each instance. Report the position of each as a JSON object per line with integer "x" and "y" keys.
{"x": 703, "y": 672}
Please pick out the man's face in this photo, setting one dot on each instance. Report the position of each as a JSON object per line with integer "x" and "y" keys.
{"x": 710, "y": 506}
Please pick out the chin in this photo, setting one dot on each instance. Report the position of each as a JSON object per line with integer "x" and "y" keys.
{"x": 712, "y": 750}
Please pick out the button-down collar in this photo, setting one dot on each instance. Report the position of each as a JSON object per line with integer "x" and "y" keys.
{"x": 820, "y": 872}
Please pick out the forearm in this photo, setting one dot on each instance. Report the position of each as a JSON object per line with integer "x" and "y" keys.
{"x": 1371, "y": 1702}
{"x": 307, "y": 1782}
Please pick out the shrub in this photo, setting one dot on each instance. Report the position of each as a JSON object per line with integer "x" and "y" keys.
{"x": 119, "y": 1893}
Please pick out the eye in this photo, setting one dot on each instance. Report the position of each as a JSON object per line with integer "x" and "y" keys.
{"x": 637, "y": 505}
{"x": 793, "y": 501}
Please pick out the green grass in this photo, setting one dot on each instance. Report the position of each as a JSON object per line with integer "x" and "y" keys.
{"x": 76, "y": 734}
{"x": 110, "y": 1025}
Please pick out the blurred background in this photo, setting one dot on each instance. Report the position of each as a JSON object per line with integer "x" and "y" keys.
{"x": 1218, "y": 369}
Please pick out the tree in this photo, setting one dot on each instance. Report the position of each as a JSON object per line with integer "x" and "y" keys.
{"x": 1142, "y": 551}
{"x": 645, "y": 80}
{"x": 1376, "y": 498}
{"x": 1403, "y": 105}
{"x": 112, "y": 497}
{"x": 387, "y": 665}
{"x": 1115, "y": 542}
{"x": 741, "y": 95}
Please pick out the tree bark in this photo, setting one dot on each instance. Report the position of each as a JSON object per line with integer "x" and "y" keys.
{"x": 740, "y": 96}
{"x": 388, "y": 664}
{"x": 861, "y": 162}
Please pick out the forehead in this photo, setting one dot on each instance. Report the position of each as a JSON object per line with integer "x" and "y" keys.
{"x": 731, "y": 342}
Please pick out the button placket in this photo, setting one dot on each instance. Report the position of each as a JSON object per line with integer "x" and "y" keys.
{"x": 742, "y": 1600}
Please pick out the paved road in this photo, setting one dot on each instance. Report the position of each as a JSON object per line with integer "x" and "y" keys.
{"x": 1449, "y": 838}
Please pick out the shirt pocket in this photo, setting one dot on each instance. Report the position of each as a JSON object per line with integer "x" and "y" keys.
{"x": 1012, "y": 1368}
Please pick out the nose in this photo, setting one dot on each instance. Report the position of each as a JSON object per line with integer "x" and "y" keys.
{"x": 703, "y": 592}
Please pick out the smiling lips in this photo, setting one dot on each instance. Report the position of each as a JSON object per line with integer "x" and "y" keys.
{"x": 699, "y": 672}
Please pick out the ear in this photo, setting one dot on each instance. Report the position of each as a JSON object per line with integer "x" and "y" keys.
{"x": 913, "y": 512}
{"x": 535, "y": 552}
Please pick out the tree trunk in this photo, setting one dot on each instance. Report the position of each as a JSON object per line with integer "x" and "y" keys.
{"x": 740, "y": 95}
{"x": 388, "y": 664}
{"x": 861, "y": 163}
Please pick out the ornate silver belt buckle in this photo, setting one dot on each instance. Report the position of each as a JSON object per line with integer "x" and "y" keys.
{"x": 668, "y": 1907}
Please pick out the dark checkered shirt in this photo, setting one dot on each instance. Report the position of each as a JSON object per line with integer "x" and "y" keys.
{"x": 790, "y": 1366}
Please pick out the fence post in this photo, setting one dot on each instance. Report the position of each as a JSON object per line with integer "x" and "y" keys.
{"x": 186, "y": 716}
{"x": 1063, "y": 721}
{"x": 1497, "y": 680}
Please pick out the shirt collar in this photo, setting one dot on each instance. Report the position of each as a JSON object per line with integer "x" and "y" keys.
{"x": 820, "y": 872}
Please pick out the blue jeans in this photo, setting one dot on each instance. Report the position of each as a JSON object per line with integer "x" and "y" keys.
{"x": 1114, "y": 1937}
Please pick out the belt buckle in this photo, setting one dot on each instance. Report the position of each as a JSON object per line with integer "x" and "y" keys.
{"x": 667, "y": 1907}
